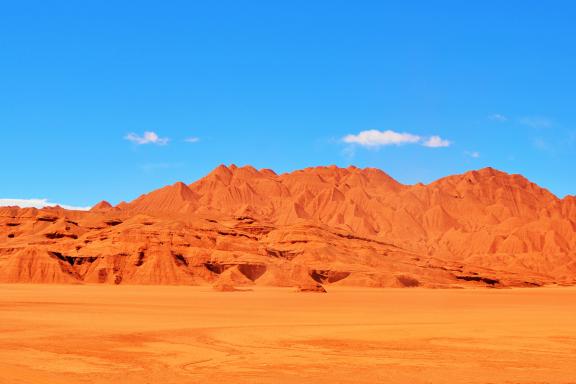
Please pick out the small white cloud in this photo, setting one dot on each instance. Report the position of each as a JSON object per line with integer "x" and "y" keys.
{"x": 498, "y": 117}
{"x": 374, "y": 138}
{"x": 536, "y": 122}
{"x": 436, "y": 142}
{"x": 37, "y": 203}
{"x": 473, "y": 154}
{"x": 192, "y": 139}
{"x": 148, "y": 138}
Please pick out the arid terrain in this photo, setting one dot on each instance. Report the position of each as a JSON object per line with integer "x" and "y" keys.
{"x": 239, "y": 226}
{"x": 143, "y": 334}
{"x": 208, "y": 282}
{"x": 287, "y": 192}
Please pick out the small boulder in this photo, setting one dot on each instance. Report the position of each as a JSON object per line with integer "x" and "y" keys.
{"x": 312, "y": 287}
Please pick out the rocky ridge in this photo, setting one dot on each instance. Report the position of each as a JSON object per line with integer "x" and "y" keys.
{"x": 240, "y": 226}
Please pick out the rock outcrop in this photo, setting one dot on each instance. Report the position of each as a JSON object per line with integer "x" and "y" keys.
{"x": 326, "y": 225}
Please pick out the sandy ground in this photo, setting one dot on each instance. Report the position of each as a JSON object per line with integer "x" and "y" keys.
{"x": 135, "y": 334}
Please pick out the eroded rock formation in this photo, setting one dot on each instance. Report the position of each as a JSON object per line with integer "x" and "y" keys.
{"x": 325, "y": 225}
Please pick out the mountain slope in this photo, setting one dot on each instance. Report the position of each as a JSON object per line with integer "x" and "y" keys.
{"x": 326, "y": 224}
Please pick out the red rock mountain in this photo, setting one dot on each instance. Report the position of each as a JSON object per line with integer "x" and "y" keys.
{"x": 327, "y": 225}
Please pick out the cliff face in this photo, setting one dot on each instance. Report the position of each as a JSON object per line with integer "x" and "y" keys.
{"x": 360, "y": 227}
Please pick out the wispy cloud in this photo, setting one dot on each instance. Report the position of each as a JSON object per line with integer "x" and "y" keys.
{"x": 349, "y": 151}
{"x": 473, "y": 154}
{"x": 536, "y": 122}
{"x": 374, "y": 138}
{"x": 37, "y": 203}
{"x": 148, "y": 137}
{"x": 192, "y": 139}
{"x": 436, "y": 142}
{"x": 529, "y": 121}
{"x": 498, "y": 117}
{"x": 541, "y": 144}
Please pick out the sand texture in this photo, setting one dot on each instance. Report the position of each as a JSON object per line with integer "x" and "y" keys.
{"x": 143, "y": 334}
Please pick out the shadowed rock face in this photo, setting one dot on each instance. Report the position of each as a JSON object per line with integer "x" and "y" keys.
{"x": 325, "y": 225}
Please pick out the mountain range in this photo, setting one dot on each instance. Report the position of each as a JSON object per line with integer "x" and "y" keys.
{"x": 239, "y": 226}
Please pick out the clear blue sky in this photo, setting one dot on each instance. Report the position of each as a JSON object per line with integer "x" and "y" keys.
{"x": 281, "y": 86}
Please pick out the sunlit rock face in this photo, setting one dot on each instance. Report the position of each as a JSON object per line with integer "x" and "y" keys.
{"x": 322, "y": 226}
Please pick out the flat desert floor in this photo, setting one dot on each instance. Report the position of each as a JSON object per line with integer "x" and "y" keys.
{"x": 143, "y": 334}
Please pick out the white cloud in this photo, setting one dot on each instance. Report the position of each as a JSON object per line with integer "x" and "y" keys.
{"x": 36, "y": 203}
{"x": 436, "y": 142}
{"x": 498, "y": 117}
{"x": 374, "y": 138}
{"x": 192, "y": 139}
{"x": 148, "y": 138}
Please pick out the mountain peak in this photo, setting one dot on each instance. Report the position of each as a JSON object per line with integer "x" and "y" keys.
{"x": 483, "y": 227}
{"x": 174, "y": 198}
{"x": 101, "y": 206}
{"x": 181, "y": 189}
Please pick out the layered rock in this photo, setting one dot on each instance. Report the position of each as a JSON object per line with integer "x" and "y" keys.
{"x": 324, "y": 225}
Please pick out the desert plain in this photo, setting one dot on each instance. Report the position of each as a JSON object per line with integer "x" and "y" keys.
{"x": 468, "y": 279}
{"x": 175, "y": 334}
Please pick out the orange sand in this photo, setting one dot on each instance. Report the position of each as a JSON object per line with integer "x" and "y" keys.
{"x": 150, "y": 334}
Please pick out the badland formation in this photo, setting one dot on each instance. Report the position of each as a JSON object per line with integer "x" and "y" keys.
{"x": 310, "y": 228}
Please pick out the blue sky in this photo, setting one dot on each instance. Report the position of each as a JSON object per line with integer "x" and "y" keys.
{"x": 282, "y": 86}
